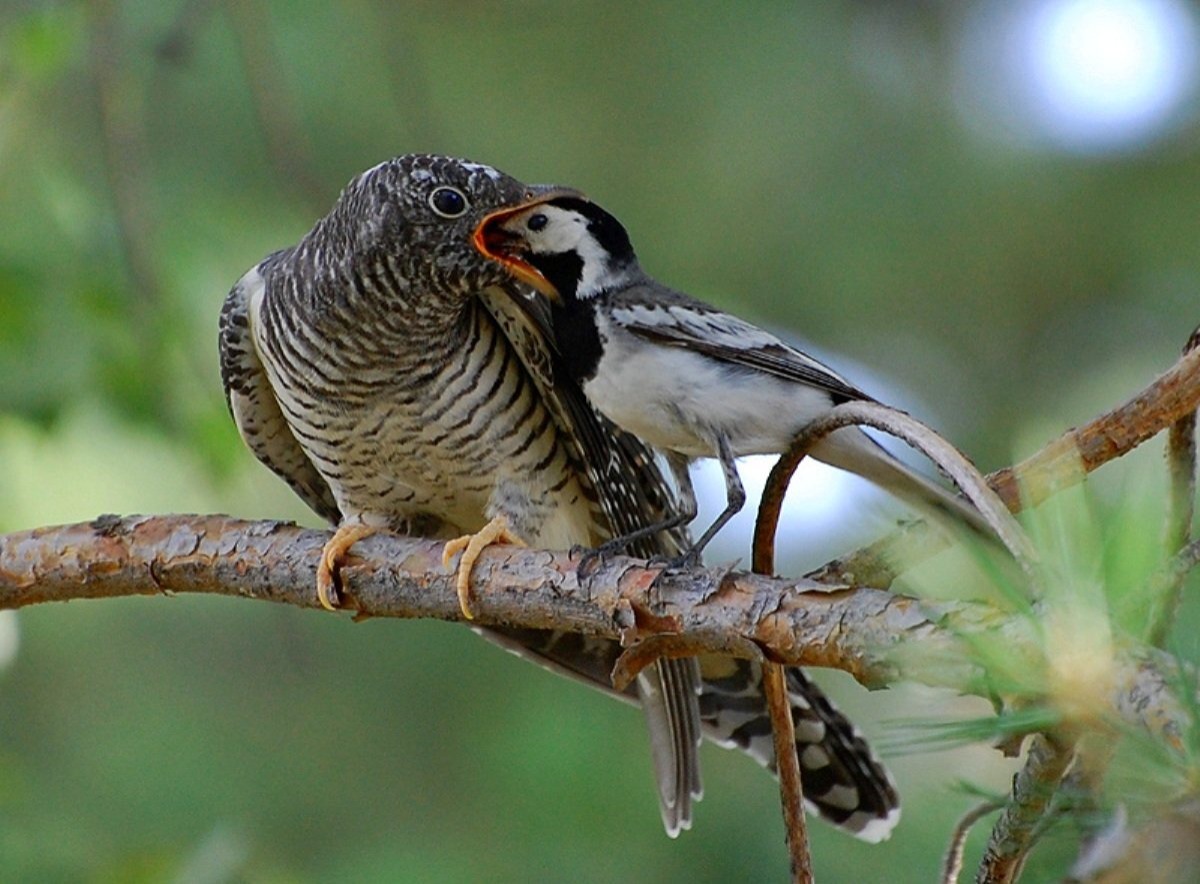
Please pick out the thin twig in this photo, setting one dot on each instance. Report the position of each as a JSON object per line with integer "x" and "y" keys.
{"x": 1060, "y": 464}
{"x": 787, "y": 764}
{"x": 1181, "y": 467}
{"x": 1181, "y": 500}
{"x": 1175, "y": 394}
{"x": 960, "y": 470}
{"x": 953, "y": 861}
{"x": 1165, "y": 589}
{"x": 1033, "y": 788}
{"x": 783, "y": 728}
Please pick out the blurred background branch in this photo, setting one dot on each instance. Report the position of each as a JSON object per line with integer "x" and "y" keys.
{"x": 275, "y": 107}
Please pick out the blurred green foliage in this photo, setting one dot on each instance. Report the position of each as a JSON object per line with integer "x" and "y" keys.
{"x": 801, "y": 163}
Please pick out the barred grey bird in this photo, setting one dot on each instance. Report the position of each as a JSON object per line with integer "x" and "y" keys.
{"x": 379, "y": 370}
{"x": 391, "y": 376}
{"x": 689, "y": 379}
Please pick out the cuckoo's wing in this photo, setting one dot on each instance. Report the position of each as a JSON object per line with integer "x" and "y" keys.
{"x": 252, "y": 401}
{"x": 620, "y": 469}
{"x": 628, "y": 491}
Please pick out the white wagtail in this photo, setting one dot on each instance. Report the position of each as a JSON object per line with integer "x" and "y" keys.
{"x": 683, "y": 376}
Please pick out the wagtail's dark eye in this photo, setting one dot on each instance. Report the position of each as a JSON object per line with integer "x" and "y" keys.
{"x": 448, "y": 202}
{"x": 537, "y": 222}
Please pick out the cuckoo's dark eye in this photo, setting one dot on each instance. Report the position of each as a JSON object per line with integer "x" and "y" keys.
{"x": 448, "y": 202}
{"x": 537, "y": 222}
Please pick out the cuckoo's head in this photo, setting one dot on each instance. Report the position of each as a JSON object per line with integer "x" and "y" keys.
{"x": 403, "y": 230}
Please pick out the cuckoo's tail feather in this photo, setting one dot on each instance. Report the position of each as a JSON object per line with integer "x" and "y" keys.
{"x": 844, "y": 782}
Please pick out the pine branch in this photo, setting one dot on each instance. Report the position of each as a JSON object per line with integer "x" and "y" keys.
{"x": 793, "y": 621}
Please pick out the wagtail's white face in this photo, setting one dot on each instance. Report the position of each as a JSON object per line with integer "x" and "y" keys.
{"x": 562, "y": 244}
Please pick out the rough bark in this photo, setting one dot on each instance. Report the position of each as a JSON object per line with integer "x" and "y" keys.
{"x": 860, "y": 630}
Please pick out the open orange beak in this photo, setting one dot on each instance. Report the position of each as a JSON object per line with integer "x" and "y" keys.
{"x": 505, "y": 247}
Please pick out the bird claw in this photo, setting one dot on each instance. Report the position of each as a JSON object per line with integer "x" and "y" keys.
{"x": 327, "y": 581}
{"x": 332, "y": 557}
{"x": 594, "y": 558}
{"x": 471, "y": 545}
{"x": 589, "y": 562}
{"x": 690, "y": 559}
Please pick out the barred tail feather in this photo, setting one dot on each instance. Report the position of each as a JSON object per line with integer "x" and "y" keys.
{"x": 844, "y": 782}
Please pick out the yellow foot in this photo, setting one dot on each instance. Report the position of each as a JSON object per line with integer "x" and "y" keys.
{"x": 471, "y": 545}
{"x": 331, "y": 560}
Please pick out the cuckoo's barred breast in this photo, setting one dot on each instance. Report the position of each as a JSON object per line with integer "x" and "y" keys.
{"x": 452, "y": 431}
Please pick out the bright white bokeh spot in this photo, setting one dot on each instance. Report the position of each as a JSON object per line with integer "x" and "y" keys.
{"x": 1087, "y": 75}
{"x": 1109, "y": 70}
{"x": 826, "y": 511}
